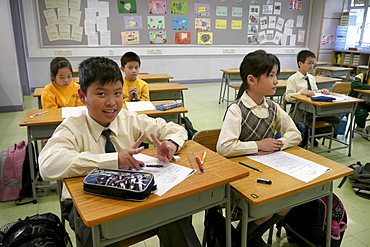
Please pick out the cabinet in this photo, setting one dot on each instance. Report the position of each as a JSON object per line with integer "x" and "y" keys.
{"x": 351, "y": 59}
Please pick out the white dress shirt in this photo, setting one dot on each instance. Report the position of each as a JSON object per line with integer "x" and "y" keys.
{"x": 297, "y": 83}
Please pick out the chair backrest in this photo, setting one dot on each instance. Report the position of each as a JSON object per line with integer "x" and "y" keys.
{"x": 342, "y": 87}
{"x": 207, "y": 138}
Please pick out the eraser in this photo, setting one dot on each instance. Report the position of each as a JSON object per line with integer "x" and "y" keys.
{"x": 176, "y": 158}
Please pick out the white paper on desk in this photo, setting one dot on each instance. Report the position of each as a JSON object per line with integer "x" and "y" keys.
{"x": 72, "y": 111}
{"x": 292, "y": 165}
{"x": 165, "y": 177}
{"x": 338, "y": 97}
{"x": 140, "y": 106}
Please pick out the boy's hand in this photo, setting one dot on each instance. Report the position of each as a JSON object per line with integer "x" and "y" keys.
{"x": 133, "y": 92}
{"x": 308, "y": 92}
{"x": 165, "y": 149}
{"x": 269, "y": 145}
{"x": 324, "y": 91}
{"x": 125, "y": 158}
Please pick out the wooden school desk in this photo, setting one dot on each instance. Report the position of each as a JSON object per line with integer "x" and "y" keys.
{"x": 362, "y": 69}
{"x": 233, "y": 76}
{"x": 322, "y": 109}
{"x": 326, "y": 82}
{"x": 157, "y": 91}
{"x": 113, "y": 220}
{"x": 335, "y": 71}
{"x": 149, "y": 78}
{"x": 42, "y": 127}
{"x": 259, "y": 200}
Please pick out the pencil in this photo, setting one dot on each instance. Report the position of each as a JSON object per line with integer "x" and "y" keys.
{"x": 250, "y": 166}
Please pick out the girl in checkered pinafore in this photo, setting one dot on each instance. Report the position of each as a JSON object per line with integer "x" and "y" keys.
{"x": 252, "y": 121}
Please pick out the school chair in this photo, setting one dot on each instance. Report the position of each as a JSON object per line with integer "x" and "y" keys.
{"x": 342, "y": 88}
{"x": 123, "y": 243}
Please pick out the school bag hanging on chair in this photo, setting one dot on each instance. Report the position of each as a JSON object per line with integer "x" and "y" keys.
{"x": 359, "y": 179}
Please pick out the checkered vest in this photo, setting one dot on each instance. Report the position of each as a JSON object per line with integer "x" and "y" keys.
{"x": 255, "y": 128}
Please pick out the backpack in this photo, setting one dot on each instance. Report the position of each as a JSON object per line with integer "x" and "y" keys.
{"x": 359, "y": 179}
{"x": 309, "y": 220}
{"x": 186, "y": 123}
{"x": 15, "y": 178}
{"x": 39, "y": 230}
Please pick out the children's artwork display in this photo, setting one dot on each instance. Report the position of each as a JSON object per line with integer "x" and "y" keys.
{"x": 220, "y": 22}
{"x": 183, "y": 37}
{"x": 157, "y": 37}
{"x": 157, "y": 7}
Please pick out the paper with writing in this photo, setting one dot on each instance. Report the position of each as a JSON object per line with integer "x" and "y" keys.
{"x": 140, "y": 106}
{"x": 292, "y": 165}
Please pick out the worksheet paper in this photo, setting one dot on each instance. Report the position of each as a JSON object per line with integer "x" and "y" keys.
{"x": 140, "y": 106}
{"x": 72, "y": 111}
{"x": 165, "y": 177}
{"x": 292, "y": 165}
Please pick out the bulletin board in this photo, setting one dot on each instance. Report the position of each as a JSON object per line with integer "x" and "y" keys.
{"x": 97, "y": 23}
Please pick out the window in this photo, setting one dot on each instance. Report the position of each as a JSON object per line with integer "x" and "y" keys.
{"x": 361, "y": 10}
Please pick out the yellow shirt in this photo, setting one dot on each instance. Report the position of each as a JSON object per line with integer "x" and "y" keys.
{"x": 54, "y": 96}
{"x": 142, "y": 89}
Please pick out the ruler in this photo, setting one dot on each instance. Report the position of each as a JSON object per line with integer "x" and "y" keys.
{"x": 193, "y": 162}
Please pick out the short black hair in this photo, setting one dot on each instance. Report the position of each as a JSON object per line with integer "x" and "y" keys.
{"x": 303, "y": 55}
{"x": 100, "y": 69}
{"x": 59, "y": 63}
{"x": 129, "y": 57}
{"x": 256, "y": 63}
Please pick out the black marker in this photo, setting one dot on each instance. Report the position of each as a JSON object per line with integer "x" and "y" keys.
{"x": 263, "y": 181}
{"x": 154, "y": 166}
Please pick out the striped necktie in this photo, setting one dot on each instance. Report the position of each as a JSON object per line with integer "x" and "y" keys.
{"x": 109, "y": 148}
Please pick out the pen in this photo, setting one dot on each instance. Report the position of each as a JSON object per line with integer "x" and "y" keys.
{"x": 199, "y": 163}
{"x": 38, "y": 114}
{"x": 250, "y": 166}
{"x": 204, "y": 156}
{"x": 158, "y": 166}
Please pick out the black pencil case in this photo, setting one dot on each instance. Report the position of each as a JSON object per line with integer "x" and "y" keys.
{"x": 122, "y": 184}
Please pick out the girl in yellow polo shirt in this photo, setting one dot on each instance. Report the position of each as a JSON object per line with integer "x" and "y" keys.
{"x": 61, "y": 92}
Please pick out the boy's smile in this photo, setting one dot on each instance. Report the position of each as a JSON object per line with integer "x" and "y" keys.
{"x": 103, "y": 102}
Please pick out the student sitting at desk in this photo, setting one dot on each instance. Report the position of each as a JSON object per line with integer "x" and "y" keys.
{"x": 362, "y": 82}
{"x": 134, "y": 89}
{"x": 78, "y": 145}
{"x": 61, "y": 92}
{"x": 251, "y": 122}
{"x": 302, "y": 82}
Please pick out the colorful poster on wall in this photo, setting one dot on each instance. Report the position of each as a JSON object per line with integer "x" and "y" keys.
{"x": 130, "y": 37}
{"x": 221, "y": 24}
{"x": 252, "y": 29}
{"x": 133, "y": 22}
{"x": 126, "y": 7}
{"x": 157, "y": 37}
{"x": 327, "y": 40}
{"x": 295, "y": 4}
{"x": 182, "y": 37}
{"x": 156, "y": 22}
{"x": 201, "y": 9}
{"x": 179, "y": 7}
{"x": 180, "y": 23}
{"x": 205, "y": 38}
{"x": 252, "y": 39}
{"x": 157, "y": 7}
{"x": 254, "y": 13}
{"x": 203, "y": 24}
{"x": 236, "y": 24}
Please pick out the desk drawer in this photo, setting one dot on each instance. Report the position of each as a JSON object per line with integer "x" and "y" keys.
{"x": 165, "y": 95}
{"x": 42, "y": 131}
{"x": 152, "y": 218}
{"x": 289, "y": 201}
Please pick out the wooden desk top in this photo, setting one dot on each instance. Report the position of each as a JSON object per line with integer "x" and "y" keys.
{"x": 362, "y": 91}
{"x": 75, "y": 70}
{"x": 323, "y": 79}
{"x": 236, "y": 70}
{"x": 305, "y": 98}
{"x": 321, "y": 63}
{"x": 335, "y": 68}
{"x": 156, "y": 87}
{"x": 153, "y": 87}
{"x": 95, "y": 210}
{"x": 54, "y": 116}
{"x": 154, "y": 76}
{"x": 282, "y": 184}
{"x": 363, "y": 67}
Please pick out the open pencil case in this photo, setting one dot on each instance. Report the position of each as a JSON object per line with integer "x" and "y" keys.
{"x": 122, "y": 184}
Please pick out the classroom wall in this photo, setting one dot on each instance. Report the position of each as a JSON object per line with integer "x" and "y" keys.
{"x": 11, "y": 98}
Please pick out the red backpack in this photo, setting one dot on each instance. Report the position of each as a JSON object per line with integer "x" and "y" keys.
{"x": 11, "y": 168}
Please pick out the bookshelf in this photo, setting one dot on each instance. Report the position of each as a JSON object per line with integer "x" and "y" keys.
{"x": 351, "y": 59}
